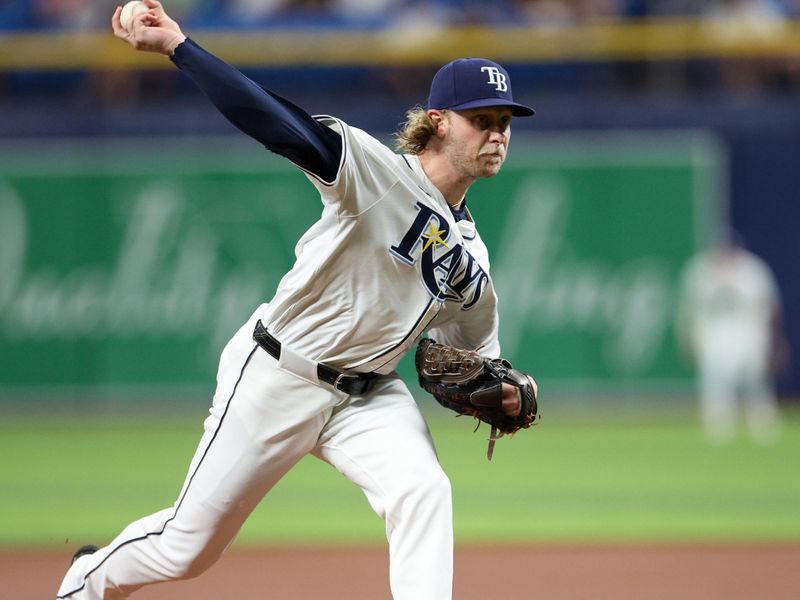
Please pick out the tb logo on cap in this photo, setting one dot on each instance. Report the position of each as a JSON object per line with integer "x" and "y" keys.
{"x": 496, "y": 78}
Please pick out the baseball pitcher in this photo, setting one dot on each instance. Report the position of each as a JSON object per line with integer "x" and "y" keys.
{"x": 394, "y": 255}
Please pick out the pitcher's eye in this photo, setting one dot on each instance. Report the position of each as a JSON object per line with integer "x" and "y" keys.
{"x": 482, "y": 122}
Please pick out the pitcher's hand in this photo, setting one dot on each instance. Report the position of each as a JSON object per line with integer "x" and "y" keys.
{"x": 151, "y": 31}
{"x": 512, "y": 403}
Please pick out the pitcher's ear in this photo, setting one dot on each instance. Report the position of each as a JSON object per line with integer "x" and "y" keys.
{"x": 438, "y": 119}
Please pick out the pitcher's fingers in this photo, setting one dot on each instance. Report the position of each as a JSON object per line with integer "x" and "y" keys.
{"x": 156, "y": 6}
{"x": 535, "y": 386}
{"x": 116, "y": 26}
{"x": 512, "y": 406}
{"x": 143, "y": 19}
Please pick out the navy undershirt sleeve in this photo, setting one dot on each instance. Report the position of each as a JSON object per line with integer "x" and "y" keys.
{"x": 281, "y": 126}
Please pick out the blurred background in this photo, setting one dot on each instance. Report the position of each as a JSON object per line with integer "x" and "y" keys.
{"x": 139, "y": 229}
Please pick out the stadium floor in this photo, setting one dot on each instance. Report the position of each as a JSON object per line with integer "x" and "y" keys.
{"x": 630, "y": 572}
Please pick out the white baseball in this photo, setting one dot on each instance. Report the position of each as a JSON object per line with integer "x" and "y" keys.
{"x": 129, "y": 12}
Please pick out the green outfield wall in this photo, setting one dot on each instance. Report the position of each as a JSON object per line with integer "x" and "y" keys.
{"x": 127, "y": 264}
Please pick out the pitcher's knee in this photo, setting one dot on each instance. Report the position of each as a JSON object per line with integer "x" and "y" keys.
{"x": 431, "y": 488}
{"x": 439, "y": 486}
{"x": 189, "y": 568}
{"x": 197, "y": 567}
{"x": 190, "y": 562}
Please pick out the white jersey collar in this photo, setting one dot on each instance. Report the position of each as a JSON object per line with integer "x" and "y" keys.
{"x": 426, "y": 184}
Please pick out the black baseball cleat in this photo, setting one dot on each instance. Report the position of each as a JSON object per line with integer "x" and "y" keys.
{"x": 84, "y": 550}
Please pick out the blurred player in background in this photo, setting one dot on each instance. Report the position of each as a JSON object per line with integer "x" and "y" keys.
{"x": 729, "y": 325}
{"x": 394, "y": 254}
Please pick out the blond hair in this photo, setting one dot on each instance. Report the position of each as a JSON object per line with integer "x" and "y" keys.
{"x": 416, "y": 132}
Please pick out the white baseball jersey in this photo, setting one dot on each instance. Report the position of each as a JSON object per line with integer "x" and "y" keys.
{"x": 386, "y": 262}
{"x": 730, "y": 299}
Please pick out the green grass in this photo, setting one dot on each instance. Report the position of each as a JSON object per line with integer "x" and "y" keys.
{"x": 564, "y": 481}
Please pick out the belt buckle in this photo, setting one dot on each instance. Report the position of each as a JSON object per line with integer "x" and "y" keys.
{"x": 352, "y": 385}
{"x": 339, "y": 381}
{"x": 355, "y": 384}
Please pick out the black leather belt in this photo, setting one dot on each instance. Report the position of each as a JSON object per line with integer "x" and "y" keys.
{"x": 349, "y": 384}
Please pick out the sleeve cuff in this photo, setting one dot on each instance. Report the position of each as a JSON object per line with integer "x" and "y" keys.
{"x": 183, "y": 51}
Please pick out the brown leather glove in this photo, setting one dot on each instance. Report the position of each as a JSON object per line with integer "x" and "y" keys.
{"x": 464, "y": 381}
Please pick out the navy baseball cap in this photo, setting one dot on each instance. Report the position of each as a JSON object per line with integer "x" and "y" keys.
{"x": 474, "y": 83}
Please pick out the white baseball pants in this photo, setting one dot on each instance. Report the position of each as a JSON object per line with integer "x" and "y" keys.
{"x": 262, "y": 421}
{"x": 736, "y": 380}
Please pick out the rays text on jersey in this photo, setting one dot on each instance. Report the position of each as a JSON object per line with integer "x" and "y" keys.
{"x": 448, "y": 271}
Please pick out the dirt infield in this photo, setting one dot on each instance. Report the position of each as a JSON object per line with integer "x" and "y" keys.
{"x": 701, "y": 572}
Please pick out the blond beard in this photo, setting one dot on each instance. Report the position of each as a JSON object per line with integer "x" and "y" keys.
{"x": 474, "y": 167}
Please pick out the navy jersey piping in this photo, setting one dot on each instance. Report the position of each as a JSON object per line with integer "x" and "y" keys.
{"x": 188, "y": 485}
